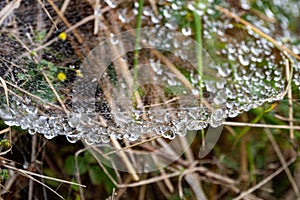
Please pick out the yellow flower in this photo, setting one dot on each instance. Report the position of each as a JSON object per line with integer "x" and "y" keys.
{"x": 62, "y": 36}
{"x": 61, "y": 76}
{"x": 78, "y": 73}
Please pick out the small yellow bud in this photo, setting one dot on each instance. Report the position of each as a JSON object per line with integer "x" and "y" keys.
{"x": 271, "y": 107}
{"x": 78, "y": 73}
{"x": 61, "y": 76}
{"x": 62, "y": 36}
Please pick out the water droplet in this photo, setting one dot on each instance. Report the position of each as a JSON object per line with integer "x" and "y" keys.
{"x": 105, "y": 138}
{"x": 220, "y": 98}
{"x": 113, "y": 39}
{"x": 111, "y": 3}
{"x": 243, "y": 61}
{"x": 97, "y": 11}
{"x": 186, "y": 31}
{"x": 217, "y": 117}
{"x": 73, "y": 138}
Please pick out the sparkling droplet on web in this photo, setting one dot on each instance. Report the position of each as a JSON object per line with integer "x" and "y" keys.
{"x": 167, "y": 13}
{"x": 217, "y": 118}
{"x": 97, "y": 11}
{"x": 73, "y": 138}
{"x": 155, "y": 19}
{"x": 50, "y": 135}
{"x": 169, "y": 134}
{"x": 111, "y": 3}
{"x": 172, "y": 25}
{"x": 187, "y": 31}
{"x": 243, "y": 61}
{"x": 122, "y": 15}
{"x": 105, "y": 138}
{"x": 31, "y": 131}
{"x": 221, "y": 83}
{"x": 7, "y": 117}
{"x": 113, "y": 39}
{"x": 191, "y": 6}
{"x": 224, "y": 70}
{"x": 220, "y": 98}
{"x": 147, "y": 11}
{"x": 210, "y": 86}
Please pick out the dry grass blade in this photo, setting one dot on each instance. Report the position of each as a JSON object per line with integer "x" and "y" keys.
{"x": 125, "y": 159}
{"x": 56, "y": 94}
{"x": 62, "y": 10}
{"x": 290, "y": 97}
{"x": 261, "y": 125}
{"x": 43, "y": 184}
{"x": 263, "y": 182}
{"x": 29, "y": 94}
{"x": 33, "y": 154}
{"x": 8, "y": 10}
{"x": 48, "y": 14}
{"x": 4, "y": 86}
{"x": 42, "y": 176}
{"x": 65, "y": 20}
{"x": 10, "y": 148}
{"x": 133, "y": 145}
{"x": 93, "y": 148}
{"x": 97, "y": 18}
{"x": 256, "y": 30}
{"x": 77, "y": 174}
{"x": 227, "y": 181}
{"x": 283, "y": 163}
{"x": 4, "y": 131}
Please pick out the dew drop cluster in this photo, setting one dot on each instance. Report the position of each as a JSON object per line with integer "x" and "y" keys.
{"x": 241, "y": 71}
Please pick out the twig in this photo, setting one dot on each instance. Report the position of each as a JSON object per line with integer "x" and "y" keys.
{"x": 4, "y": 86}
{"x": 4, "y": 131}
{"x": 10, "y": 148}
{"x": 133, "y": 145}
{"x": 62, "y": 10}
{"x": 8, "y": 9}
{"x": 97, "y": 18}
{"x": 56, "y": 94}
{"x": 261, "y": 125}
{"x": 47, "y": 13}
{"x": 284, "y": 118}
{"x": 228, "y": 182}
{"x": 41, "y": 176}
{"x": 163, "y": 172}
{"x": 33, "y": 153}
{"x": 127, "y": 162}
{"x": 77, "y": 174}
{"x": 65, "y": 20}
{"x": 29, "y": 94}
{"x": 43, "y": 184}
{"x": 290, "y": 96}
{"x": 93, "y": 148}
{"x": 180, "y": 190}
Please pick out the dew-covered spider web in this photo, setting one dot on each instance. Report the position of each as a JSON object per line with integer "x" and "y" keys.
{"x": 170, "y": 90}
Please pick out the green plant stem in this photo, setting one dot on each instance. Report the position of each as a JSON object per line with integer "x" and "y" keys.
{"x": 137, "y": 40}
{"x": 251, "y": 163}
{"x": 198, "y": 38}
{"x": 247, "y": 128}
